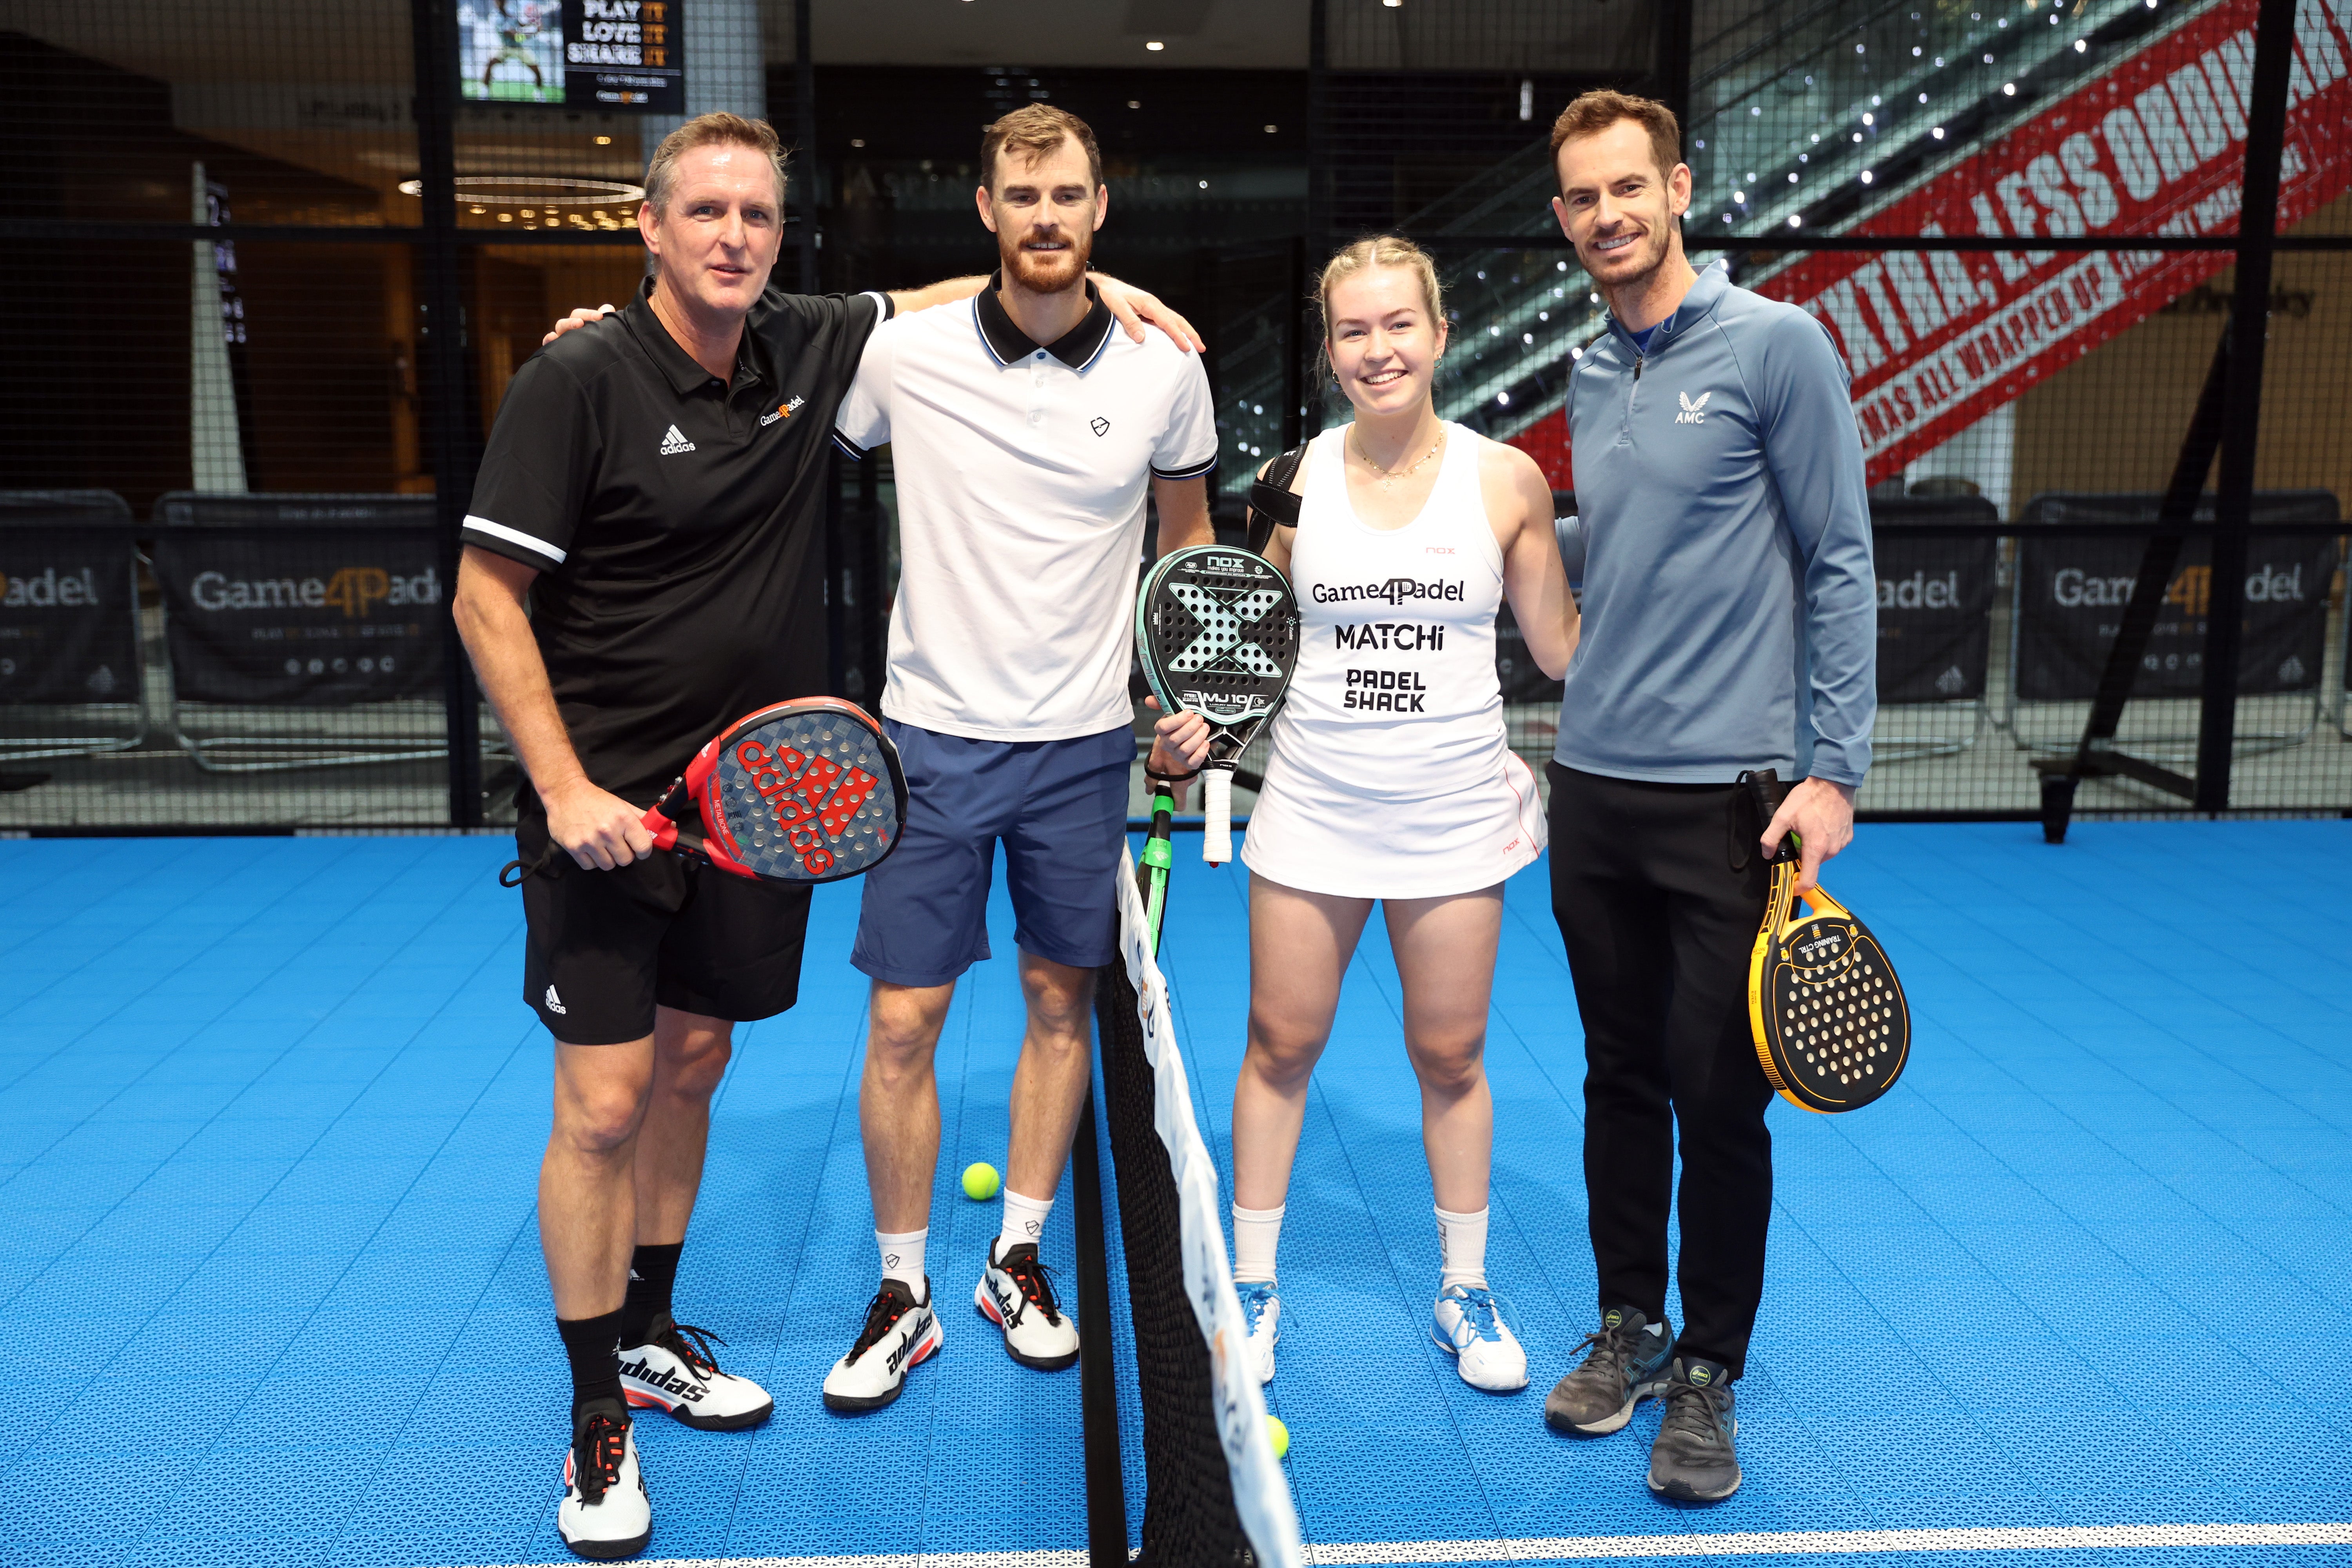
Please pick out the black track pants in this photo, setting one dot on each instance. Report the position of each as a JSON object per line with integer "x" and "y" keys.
{"x": 1658, "y": 928}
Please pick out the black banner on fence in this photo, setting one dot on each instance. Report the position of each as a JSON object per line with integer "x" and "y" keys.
{"x": 309, "y": 617}
{"x": 2071, "y": 594}
{"x": 69, "y": 628}
{"x": 1935, "y": 599}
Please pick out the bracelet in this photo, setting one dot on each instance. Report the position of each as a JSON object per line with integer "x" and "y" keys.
{"x": 1171, "y": 778}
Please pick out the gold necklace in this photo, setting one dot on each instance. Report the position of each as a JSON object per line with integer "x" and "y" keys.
{"x": 1388, "y": 477}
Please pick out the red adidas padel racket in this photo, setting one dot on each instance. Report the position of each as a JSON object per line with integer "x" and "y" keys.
{"x": 799, "y": 792}
{"x": 806, "y": 790}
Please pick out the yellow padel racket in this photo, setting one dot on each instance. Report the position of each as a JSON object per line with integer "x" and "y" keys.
{"x": 1831, "y": 1025}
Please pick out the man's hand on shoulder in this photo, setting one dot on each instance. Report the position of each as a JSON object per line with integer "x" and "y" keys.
{"x": 578, "y": 319}
{"x": 1820, "y": 814}
{"x": 599, "y": 830}
{"x": 1132, "y": 308}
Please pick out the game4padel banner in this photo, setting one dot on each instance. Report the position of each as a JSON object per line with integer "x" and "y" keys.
{"x": 68, "y": 629}
{"x": 309, "y": 617}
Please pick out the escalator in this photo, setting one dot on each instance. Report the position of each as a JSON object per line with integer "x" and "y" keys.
{"x": 1902, "y": 117}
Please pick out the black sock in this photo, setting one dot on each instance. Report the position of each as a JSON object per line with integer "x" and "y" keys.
{"x": 652, "y": 1271}
{"x": 590, "y": 1343}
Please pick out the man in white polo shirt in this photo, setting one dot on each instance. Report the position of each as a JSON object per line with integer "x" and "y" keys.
{"x": 1024, "y": 433}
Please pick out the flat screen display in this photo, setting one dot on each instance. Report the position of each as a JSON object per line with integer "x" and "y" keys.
{"x": 581, "y": 54}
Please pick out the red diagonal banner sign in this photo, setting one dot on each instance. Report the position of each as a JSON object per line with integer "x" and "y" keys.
{"x": 1938, "y": 338}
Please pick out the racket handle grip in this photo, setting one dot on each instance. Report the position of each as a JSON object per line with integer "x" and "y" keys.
{"x": 1217, "y": 802}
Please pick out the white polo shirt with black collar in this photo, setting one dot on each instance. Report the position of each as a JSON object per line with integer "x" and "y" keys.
{"x": 1022, "y": 474}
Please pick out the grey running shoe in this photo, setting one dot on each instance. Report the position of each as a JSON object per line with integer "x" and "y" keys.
{"x": 1693, "y": 1460}
{"x": 1628, "y": 1365}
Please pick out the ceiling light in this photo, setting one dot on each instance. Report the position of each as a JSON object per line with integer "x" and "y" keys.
{"x": 857, "y": 142}
{"x": 1155, "y": 45}
{"x": 603, "y": 140}
{"x": 1271, "y": 129}
{"x": 1135, "y": 103}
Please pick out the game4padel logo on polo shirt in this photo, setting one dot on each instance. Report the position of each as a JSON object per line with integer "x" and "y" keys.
{"x": 781, "y": 411}
{"x": 675, "y": 442}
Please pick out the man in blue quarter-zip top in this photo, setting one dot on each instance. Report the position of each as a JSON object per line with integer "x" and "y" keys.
{"x": 1730, "y": 622}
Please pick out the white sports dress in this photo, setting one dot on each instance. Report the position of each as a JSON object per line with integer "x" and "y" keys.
{"x": 1391, "y": 776}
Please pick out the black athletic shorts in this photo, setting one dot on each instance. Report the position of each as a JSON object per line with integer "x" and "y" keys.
{"x": 605, "y": 947}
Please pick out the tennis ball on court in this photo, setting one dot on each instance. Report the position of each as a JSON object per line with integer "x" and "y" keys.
{"x": 980, "y": 1181}
{"x": 1278, "y": 1435}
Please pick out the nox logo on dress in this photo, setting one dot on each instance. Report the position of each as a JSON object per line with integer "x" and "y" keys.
{"x": 675, "y": 442}
{"x": 1692, "y": 413}
{"x": 1224, "y": 614}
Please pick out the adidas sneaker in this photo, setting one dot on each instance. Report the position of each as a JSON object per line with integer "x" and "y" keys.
{"x": 675, "y": 1371}
{"x": 605, "y": 1512}
{"x": 899, "y": 1332}
{"x": 1261, "y": 1316}
{"x": 1469, "y": 1325}
{"x": 1017, "y": 1293}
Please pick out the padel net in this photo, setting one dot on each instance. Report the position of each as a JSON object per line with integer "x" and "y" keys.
{"x": 1209, "y": 1484}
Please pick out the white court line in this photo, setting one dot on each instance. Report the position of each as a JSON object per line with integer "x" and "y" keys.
{"x": 1752, "y": 1543}
{"x": 1761, "y": 1543}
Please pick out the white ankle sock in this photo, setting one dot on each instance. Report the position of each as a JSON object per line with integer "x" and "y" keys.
{"x": 1025, "y": 1220}
{"x": 902, "y": 1256}
{"x": 1257, "y": 1234}
{"x": 1462, "y": 1248}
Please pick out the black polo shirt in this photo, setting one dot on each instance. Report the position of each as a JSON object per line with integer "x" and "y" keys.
{"x": 676, "y": 520}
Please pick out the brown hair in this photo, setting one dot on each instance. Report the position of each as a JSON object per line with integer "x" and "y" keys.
{"x": 707, "y": 130}
{"x": 1593, "y": 112}
{"x": 1033, "y": 130}
{"x": 1382, "y": 250}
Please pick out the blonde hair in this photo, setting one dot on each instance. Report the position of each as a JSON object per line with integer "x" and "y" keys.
{"x": 1033, "y": 130}
{"x": 1382, "y": 250}
{"x": 707, "y": 130}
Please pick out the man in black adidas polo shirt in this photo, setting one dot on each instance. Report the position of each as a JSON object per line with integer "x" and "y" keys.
{"x": 653, "y": 489}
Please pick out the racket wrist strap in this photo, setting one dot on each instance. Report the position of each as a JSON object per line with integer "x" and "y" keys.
{"x": 1157, "y": 777}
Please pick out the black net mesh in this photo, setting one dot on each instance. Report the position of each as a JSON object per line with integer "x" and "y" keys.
{"x": 1188, "y": 1516}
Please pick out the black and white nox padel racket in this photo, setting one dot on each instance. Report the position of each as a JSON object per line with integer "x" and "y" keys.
{"x": 1217, "y": 631}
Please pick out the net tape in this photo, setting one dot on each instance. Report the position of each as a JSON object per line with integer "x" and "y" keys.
{"x": 1202, "y": 1270}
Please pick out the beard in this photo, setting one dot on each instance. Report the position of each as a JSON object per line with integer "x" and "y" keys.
{"x": 1649, "y": 252}
{"x": 1045, "y": 271}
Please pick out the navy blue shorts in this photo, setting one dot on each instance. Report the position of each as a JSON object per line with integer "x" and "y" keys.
{"x": 1060, "y": 808}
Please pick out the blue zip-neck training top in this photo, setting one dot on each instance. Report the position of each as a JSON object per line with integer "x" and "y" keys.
{"x": 1730, "y": 604}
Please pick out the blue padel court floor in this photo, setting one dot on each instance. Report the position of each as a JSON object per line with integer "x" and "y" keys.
{"x": 2077, "y": 1286}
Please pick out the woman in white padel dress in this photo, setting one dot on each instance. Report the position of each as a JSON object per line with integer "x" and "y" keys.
{"x": 1391, "y": 778}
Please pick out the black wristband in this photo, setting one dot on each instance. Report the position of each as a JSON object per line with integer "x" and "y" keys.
{"x": 1171, "y": 778}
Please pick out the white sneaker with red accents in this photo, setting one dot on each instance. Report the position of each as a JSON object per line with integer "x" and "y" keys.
{"x": 899, "y": 1332}
{"x": 1017, "y": 1293}
{"x": 605, "y": 1512}
{"x": 675, "y": 1371}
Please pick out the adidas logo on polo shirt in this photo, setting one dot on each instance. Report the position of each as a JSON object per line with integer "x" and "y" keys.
{"x": 674, "y": 443}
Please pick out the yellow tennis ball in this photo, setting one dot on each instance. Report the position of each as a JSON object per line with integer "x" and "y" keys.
{"x": 1279, "y": 1435}
{"x": 979, "y": 1182}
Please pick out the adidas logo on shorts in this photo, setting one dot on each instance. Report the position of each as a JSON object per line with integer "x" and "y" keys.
{"x": 675, "y": 442}
{"x": 554, "y": 1002}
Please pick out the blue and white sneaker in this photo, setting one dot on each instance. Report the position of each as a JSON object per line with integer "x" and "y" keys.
{"x": 1262, "y": 1315}
{"x": 1469, "y": 1327}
